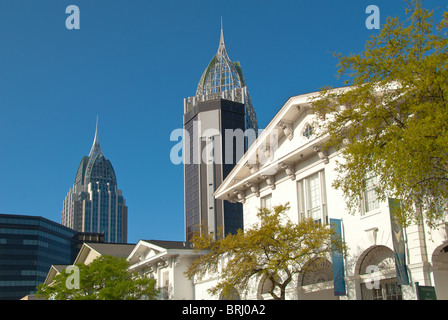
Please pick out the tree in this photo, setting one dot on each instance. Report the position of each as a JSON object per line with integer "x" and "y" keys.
{"x": 391, "y": 120}
{"x": 106, "y": 278}
{"x": 274, "y": 248}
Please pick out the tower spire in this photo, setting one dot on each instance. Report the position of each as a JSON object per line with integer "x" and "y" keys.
{"x": 222, "y": 45}
{"x": 96, "y": 148}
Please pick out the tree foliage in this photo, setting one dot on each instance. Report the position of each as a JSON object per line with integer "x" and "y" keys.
{"x": 274, "y": 248}
{"x": 106, "y": 278}
{"x": 391, "y": 121}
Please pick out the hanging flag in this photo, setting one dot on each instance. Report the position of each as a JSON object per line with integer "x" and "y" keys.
{"x": 337, "y": 258}
{"x": 398, "y": 243}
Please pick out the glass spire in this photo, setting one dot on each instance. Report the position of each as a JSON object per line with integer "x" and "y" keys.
{"x": 221, "y": 73}
{"x": 96, "y": 148}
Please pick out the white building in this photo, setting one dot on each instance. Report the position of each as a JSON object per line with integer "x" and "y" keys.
{"x": 166, "y": 262}
{"x": 296, "y": 170}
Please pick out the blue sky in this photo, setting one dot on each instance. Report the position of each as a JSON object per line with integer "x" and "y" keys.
{"x": 132, "y": 63}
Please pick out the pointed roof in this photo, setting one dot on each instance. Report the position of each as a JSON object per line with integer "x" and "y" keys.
{"x": 53, "y": 272}
{"x": 169, "y": 244}
{"x": 221, "y": 73}
{"x": 158, "y": 250}
{"x": 223, "y": 79}
{"x": 96, "y": 148}
{"x": 90, "y": 251}
{"x": 222, "y": 45}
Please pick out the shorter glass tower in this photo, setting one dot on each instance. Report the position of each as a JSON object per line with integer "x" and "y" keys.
{"x": 29, "y": 246}
{"x": 94, "y": 203}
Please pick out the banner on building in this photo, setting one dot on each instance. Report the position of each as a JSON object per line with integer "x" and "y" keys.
{"x": 337, "y": 258}
{"x": 398, "y": 243}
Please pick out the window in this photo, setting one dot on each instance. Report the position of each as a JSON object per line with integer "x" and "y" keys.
{"x": 308, "y": 131}
{"x": 266, "y": 202}
{"x": 312, "y": 198}
{"x": 370, "y": 202}
{"x": 165, "y": 285}
{"x": 388, "y": 289}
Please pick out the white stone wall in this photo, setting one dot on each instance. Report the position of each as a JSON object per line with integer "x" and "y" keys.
{"x": 361, "y": 233}
{"x": 368, "y": 235}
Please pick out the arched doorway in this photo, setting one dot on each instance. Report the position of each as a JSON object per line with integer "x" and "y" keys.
{"x": 377, "y": 275}
{"x": 440, "y": 269}
{"x": 316, "y": 282}
{"x": 264, "y": 288}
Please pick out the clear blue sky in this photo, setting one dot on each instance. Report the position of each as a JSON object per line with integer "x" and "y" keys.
{"x": 132, "y": 63}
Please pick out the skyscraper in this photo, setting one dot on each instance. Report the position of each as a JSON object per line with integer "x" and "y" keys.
{"x": 216, "y": 121}
{"x": 94, "y": 203}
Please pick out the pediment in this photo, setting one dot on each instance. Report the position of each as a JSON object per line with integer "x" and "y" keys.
{"x": 143, "y": 251}
{"x": 288, "y": 139}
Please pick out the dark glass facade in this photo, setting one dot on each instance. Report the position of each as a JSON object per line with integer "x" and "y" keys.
{"x": 228, "y": 216}
{"x": 232, "y": 118}
{"x": 221, "y": 103}
{"x": 192, "y": 205}
{"x": 29, "y": 245}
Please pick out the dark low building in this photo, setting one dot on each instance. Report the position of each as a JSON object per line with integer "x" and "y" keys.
{"x": 29, "y": 245}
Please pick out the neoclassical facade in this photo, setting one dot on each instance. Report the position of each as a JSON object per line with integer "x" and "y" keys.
{"x": 166, "y": 262}
{"x": 287, "y": 164}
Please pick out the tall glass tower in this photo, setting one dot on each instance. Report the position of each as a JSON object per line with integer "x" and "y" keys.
{"x": 94, "y": 203}
{"x": 216, "y": 121}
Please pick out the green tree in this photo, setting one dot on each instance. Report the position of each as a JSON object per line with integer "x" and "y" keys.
{"x": 106, "y": 278}
{"x": 391, "y": 120}
{"x": 275, "y": 248}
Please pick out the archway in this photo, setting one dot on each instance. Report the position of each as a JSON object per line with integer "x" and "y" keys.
{"x": 316, "y": 282}
{"x": 376, "y": 270}
{"x": 264, "y": 288}
{"x": 440, "y": 271}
